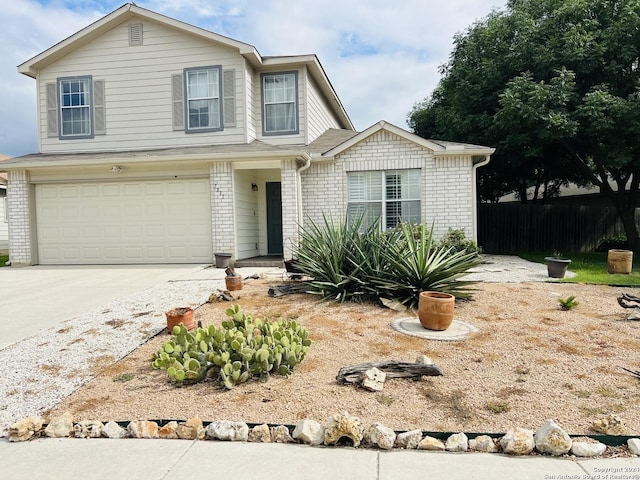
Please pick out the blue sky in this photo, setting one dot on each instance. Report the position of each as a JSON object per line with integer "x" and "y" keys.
{"x": 381, "y": 57}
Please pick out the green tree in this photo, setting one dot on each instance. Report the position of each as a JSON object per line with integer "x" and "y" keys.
{"x": 554, "y": 85}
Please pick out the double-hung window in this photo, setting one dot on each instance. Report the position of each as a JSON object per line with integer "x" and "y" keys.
{"x": 75, "y": 100}
{"x": 203, "y": 91}
{"x": 280, "y": 103}
{"x": 392, "y": 196}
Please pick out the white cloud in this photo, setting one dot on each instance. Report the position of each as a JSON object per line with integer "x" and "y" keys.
{"x": 381, "y": 57}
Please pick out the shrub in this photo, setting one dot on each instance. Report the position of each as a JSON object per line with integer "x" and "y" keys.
{"x": 457, "y": 242}
{"x": 242, "y": 348}
{"x": 348, "y": 261}
{"x": 618, "y": 242}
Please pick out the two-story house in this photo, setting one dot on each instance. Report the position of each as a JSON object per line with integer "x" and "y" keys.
{"x": 161, "y": 142}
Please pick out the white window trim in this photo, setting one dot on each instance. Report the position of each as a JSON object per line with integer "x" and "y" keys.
{"x": 89, "y": 80}
{"x": 384, "y": 200}
{"x": 296, "y": 105}
{"x": 188, "y": 128}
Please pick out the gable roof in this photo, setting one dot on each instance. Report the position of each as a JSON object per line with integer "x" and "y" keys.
{"x": 438, "y": 147}
{"x": 130, "y": 10}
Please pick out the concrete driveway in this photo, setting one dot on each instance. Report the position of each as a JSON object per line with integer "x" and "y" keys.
{"x": 35, "y": 298}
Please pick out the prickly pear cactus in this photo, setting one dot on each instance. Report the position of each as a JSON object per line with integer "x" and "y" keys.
{"x": 244, "y": 347}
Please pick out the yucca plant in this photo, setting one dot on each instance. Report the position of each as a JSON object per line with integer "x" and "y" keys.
{"x": 336, "y": 256}
{"x": 414, "y": 263}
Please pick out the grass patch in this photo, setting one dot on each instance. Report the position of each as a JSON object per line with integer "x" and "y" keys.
{"x": 591, "y": 267}
{"x": 123, "y": 377}
{"x": 3, "y": 260}
{"x": 498, "y": 407}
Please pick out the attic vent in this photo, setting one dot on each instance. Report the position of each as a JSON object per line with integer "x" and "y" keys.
{"x": 135, "y": 34}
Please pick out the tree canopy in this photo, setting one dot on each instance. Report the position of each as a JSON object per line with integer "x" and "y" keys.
{"x": 554, "y": 86}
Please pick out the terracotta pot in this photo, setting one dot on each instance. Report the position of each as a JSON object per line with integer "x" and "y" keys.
{"x": 179, "y": 315}
{"x": 233, "y": 282}
{"x": 620, "y": 261}
{"x": 435, "y": 310}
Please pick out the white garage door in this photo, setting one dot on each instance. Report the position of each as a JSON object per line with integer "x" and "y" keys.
{"x": 124, "y": 223}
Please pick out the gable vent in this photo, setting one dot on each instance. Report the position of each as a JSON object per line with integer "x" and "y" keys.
{"x": 135, "y": 34}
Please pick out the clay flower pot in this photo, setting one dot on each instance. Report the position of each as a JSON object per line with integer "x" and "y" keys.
{"x": 435, "y": 310}
{"x": 233, "y": 282}
{"x": 179, "y": 315}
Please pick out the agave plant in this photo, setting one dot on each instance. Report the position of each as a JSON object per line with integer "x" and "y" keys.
{"x": 414, "y": 263}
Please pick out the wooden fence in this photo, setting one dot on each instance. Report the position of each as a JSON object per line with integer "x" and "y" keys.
{"x": 509, "y": 227}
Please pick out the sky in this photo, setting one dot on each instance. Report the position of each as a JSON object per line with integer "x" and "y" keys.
{"x": 381, "y": 57}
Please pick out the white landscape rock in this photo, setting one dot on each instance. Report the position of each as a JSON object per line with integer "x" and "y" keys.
{"x": 373, "y": 380}
{"x": 409, "y": 440}
{"x": 228, "y": 430}
{"x": 113, "y": 430}
{"x": 88, "y": 429}
{"x": 61, "y": 426}
{"x": 458, "y": 442}
{"x": 343, "y": 425}
{"x": 25, "y": 429}
{"x": 634, "y": 445}
{"x": 260, "y": 434}
{"x": 587, "y": 449}
{"x": 484, "y": 443}
{"x": 609, "y": 425}
{"x": 143, "y": 429}
{"x": 380, "y": 436}
{"x": 309, "y": 432}
{"x": 431, "y": 443}
{"x": 518, "y": 441}
{"x": 280, "y": 434}
{"x": 551, "y": 438}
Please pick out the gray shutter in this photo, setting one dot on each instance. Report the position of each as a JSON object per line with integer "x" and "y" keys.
{"x": 229, "y": 93}
{"x": 177, "y": 95}
{"x": 52, "y": 109}
{"x": 99, "y": 120}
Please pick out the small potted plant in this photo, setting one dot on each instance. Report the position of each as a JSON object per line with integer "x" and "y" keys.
{"x": 557, "y": 265}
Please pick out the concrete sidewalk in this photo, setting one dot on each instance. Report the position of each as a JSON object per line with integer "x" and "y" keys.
{"x": 139, "y": 459}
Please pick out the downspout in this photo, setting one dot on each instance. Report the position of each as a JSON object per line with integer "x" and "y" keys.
{"x": 307, "y": 164}
{"x": 474, "y": 189}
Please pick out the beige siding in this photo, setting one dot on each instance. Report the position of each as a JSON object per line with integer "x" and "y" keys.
{"x": 298, "y": 139}
{"x": 446, "y": 183}
{"x": 319, "y": 116}
{"x": 251, "y": 114}
{"x": 246, "y": 214}
{"x": 138, "y": 88}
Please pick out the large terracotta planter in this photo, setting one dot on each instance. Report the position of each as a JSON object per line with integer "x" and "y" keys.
{"x": 620, "y": 261}
{"x": 435, "y": 310}
{"x": 183, "y": 315}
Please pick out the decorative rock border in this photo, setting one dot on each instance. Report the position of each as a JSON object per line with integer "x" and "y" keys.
{"x": 341, "y": 429}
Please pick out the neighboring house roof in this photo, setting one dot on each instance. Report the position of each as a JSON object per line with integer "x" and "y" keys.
{"x": 438, "y": 147}
{"x": 249, "y": 52}
{"x": 3, "y": 176}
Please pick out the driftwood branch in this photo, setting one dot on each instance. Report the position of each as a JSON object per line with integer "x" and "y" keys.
{"x": 627, "y": 301}
{"x": 287, "y": 289}
{"x": 392, "y": 368}
{"x": 636, "y": 373}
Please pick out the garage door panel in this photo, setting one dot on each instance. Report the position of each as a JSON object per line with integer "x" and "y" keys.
{"x": 136, "y": 222}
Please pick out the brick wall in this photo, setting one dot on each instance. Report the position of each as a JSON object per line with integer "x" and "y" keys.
{"x": 447, "y": 193}
{"x": 19, "y": 205}
{"x": 222, "y": 211}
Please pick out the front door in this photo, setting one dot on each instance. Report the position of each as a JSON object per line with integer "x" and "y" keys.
{"x": 274, "y": 218}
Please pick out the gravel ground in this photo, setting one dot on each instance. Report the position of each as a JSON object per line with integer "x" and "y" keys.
{"x": 43, "y": 370}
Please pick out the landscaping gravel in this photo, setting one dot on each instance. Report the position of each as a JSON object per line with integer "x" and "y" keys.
{"x": 43, "y": 370}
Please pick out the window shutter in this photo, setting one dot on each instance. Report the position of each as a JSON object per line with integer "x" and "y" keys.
{"x": 99, "y": 120}
{"x": 177, "y": 94}
{"x": 229, "y": 93}
{"x": 52, "y": 109}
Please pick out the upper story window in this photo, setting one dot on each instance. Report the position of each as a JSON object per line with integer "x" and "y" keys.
{"x": 203, "y": 88}
{"x": 280, "y": 103}
{"x": 75, "y": 100}
{"x": 393, "y": 196}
